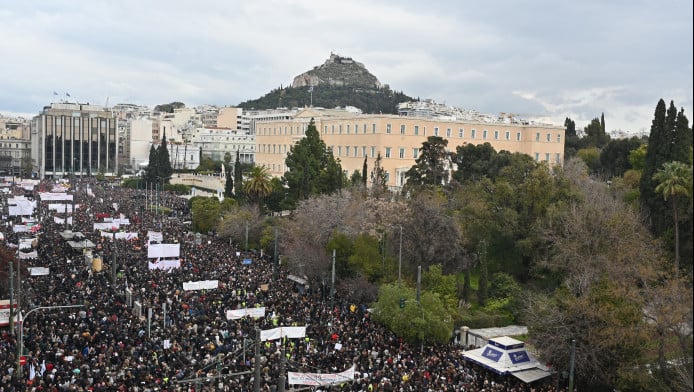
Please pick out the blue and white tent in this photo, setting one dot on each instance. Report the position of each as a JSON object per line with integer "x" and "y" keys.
{"x": 508, "y": 356}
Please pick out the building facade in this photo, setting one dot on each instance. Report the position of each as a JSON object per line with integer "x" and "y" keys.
{"x": 398, "y": 139}
{"x": 215, "y": 143}
{"x": 75, "y": 139}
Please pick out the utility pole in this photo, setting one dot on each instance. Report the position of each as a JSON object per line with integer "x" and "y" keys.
{"x": 274, "y": 257}
{"x": 419, "y": 281}
{"x": 571, "y": 365}
{"x": 113, "y": 262}
{"x": 400, "y": 259}
{"x": 256, "y": 377}
{"x": 332, "y": 282}
{"x": 11, "y": 298}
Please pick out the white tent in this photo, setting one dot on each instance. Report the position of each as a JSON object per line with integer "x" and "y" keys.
{"x": 508, "y": 356}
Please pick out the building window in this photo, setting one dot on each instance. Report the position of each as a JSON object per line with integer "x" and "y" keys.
{"x": 340, "y": 129}
{"x": 461, "y": 133}
{"x": 496, "y": 135}
{"x": 473, "y": 133}
{"x": 436, "y": 131}
{"x": 484, "y": 134}
{"x": 387, "y": 152}
{"x": 356, "y": 151}
{"x": 415, "y": 152}
{"x": 339, "y": 151}
{"x": 346, "y": 151}
{"x": 518, "y": 136}
{"x": 537, "y": 157}
{"x": 373, "y": 152}
{"x": 325, "y": 129}
{"x": 348, "y": 129}
{"x": 363, "y": 151}
{"x": 373, "y": 128}
{"x": 386, "y": 176}
{"x": 364, "y": 128}
{"x": 332, "y": 129}
{"x": 549, "y": 137}
{"x": 402, "y": 153}
{"x": 559, "y": 138}
{"x": 402, "y": 129}
{"x": 537, "y": 137}
{"x": 558, "y": 158}
{"x": 387, "y": 128}
{"x": 508, "y": 135}
{"x": 416, "y": 130}
{"x": 547, "y": 157}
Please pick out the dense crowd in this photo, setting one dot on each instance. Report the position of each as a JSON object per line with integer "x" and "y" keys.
{"x": 188, "y": 344}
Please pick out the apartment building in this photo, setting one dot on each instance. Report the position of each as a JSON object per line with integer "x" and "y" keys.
{"x": 74, "y": 138}
{"x": 398, "y": 139}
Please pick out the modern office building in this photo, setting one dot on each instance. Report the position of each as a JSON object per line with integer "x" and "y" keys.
{"x": 74, "y": 138}
{"x": 398, "y": 138}
{"x": 215, "y": 143}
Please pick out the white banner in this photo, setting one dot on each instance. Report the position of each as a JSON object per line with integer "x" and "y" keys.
{"x": 163, "y": 250}
{"x": 54, "y": 196}
{"x": 155, "y": 236}
{"x": 20, "y": 228}
{"x": 61, "y": 221}
{"x": 295, "y": 378}
{"x": 280, "y": 332}
{"x": 62, "y": 207}
{"x": 29, "y": 255}
{"x": 122, "y": 221}
{"x": 236, "y": 314}
{"x": 200, "y": 285}
{"x": 121, "y": 235}
{"x": 26, "y": 243}
{"x": 164, "y": 264}
{"x": 37, "y": 271}
{"x": 19, "y": 206}
{"x": 106, "y": 226}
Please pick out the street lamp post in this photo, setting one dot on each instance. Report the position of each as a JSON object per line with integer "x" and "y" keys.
{"x": 400, "y": 258}
{"x": 20, "y": 339}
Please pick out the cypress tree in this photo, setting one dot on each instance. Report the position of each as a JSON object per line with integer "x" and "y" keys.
{"x": 164, "y": 162}
{"x": 153, "y": 166}
{"x": 238, "y": 178}
{"x": 656, "y": 155}
{"x": 363, "y": 172}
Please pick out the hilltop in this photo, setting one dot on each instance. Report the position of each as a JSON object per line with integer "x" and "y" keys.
{"x": 338, "y": 82}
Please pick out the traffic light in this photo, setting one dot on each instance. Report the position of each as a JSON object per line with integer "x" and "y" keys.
{"x": 402, "y": 303}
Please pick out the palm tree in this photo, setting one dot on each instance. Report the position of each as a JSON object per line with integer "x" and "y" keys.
{"x": 674, "y": 179}
{"x": 258, "y": 186}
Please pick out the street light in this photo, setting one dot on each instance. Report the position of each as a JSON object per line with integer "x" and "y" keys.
{"x": 20, "y": 340}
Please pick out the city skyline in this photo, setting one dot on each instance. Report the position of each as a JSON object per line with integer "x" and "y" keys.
{"x": 544, "y": 60}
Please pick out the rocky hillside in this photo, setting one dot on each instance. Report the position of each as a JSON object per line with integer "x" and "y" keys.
{"x": 338, "y": 71}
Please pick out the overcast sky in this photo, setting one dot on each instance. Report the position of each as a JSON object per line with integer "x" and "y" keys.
{"x": 536, "y": 58}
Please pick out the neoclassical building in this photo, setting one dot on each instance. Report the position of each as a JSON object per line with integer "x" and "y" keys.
{"x": 398, "y": 139}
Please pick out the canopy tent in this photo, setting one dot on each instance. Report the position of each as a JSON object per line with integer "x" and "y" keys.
{"x": 508, "y": 356}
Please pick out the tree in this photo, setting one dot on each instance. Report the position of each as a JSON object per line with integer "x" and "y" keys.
{"x": 571, "y": 139}
{"x": 229, "y": 182}
{"x": 614, "y": 157}
{"x": 473, "y": 161}
{"x": 152, "y": 169}
{"x": 674, "y": 180}
{"x": 205, "y": 212}
{"x": 364, "y": 172}
{"x": 430, "y": 168}
{"x": 595, "y": 135}
{"x": 258, "y": 185}
{"x": 379, "y": 180}
{"x": 311, "y": 167}
{"x": 423, "y": 321}
{"x": 238, "y": 178}
{"x": 163, "y": 161}
{"x": 604, "y": 258}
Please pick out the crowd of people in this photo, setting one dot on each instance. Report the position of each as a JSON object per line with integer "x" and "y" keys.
{"x": 109, "y": 340}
